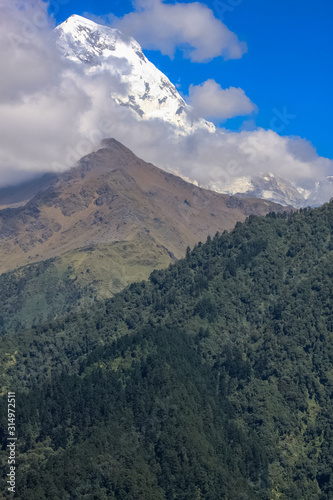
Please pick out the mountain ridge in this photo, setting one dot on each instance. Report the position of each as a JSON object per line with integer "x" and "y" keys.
{"x": 130, "y": 194}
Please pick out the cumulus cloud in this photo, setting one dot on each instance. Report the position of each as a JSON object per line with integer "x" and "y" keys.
{"x": 190, "y": 27}
{"x": 25, "y": 46}
{"x": 211, "y": 101}
{"x": 52, "y": 114}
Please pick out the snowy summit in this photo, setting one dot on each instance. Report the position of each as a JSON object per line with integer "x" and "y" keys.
{"x": 150, "y": 92}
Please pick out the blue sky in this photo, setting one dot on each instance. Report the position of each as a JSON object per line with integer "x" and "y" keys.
{"x": 288, "y": 68}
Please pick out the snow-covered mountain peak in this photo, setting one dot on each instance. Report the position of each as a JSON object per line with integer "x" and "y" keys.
{"x": 150, "y": 92}
{"x": 273, "y": 188}
{"x": 86, "y": 41}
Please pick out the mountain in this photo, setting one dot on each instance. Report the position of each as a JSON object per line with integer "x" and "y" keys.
{"x": 268, "y": 187}
{"x": 109, "y": 221}
{"x": 211, "y": 380}
{"x": 135, "y": 83}
{"x": 112, "y": 196}
{"x": 276, "y": 189}
{"x": 150, "y": 94}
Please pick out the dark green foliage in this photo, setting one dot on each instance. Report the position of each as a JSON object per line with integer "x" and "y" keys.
{"x": 157, "y": 429}
{"x": 212, "y": 380}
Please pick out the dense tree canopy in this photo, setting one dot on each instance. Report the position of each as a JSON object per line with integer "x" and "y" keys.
{"x": 214, "y": 379}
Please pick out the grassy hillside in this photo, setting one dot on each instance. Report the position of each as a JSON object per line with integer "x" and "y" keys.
{"x": 211, "y": 380}
{"x": 50, "y": 289}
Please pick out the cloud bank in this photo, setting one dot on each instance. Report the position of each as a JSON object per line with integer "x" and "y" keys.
{"x": 52, "y": 114}
{"x": 210, "y": 101}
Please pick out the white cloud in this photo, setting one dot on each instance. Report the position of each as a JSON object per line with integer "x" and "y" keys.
{"x": 190, "y": 27}
{"x": 221, "y": 157}
{"x": 46, "y": 103}
{"x": 210, "y": 101}
{"x": 25, "y": 46}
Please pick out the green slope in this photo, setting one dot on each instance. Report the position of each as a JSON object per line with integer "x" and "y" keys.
{"x": 212, "y": 380}
{"x": 49, "y": 289}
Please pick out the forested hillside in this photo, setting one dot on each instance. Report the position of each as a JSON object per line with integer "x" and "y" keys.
{"x": 212, "y": 380}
